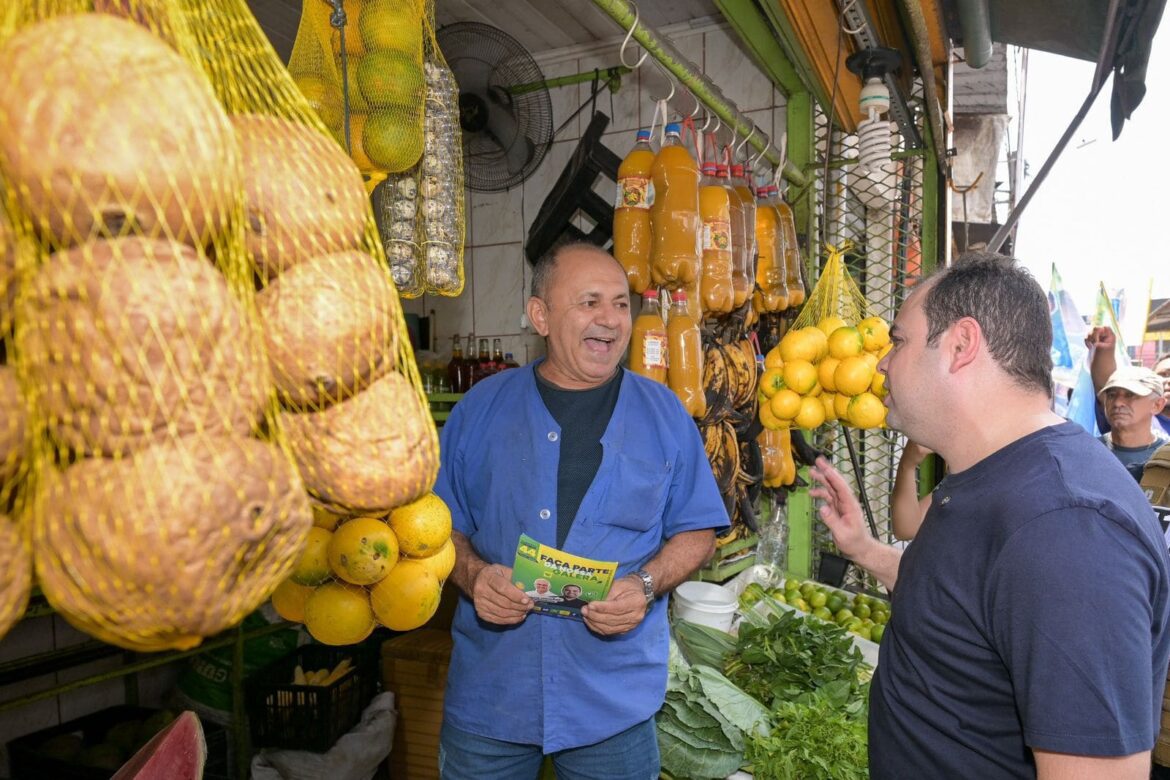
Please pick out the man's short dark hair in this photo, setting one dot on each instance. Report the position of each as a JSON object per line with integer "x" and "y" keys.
{"x": 1010, "y": 307}
{"x": 546, "y": 265}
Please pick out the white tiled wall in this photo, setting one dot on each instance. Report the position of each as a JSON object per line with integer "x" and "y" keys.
{"x": 496, "y": 270}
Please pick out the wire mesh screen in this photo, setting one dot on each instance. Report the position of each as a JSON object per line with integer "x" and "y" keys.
{"x": 879, "y": 213}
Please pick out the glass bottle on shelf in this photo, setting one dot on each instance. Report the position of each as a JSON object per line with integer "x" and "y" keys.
{"x": 497, "y": 355}
{"x": 483, "y": 364}
{"x": 509, "y": 361}
{"x": 456, "y": 367}
{"x": 469, "y": 361}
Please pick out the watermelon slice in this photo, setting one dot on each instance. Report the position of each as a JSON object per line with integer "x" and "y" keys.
{"x": 178, "y": 752}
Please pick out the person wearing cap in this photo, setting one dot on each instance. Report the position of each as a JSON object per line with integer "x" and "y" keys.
{"x": 1102, "y": 344}
{"x": 1132, "y": 397}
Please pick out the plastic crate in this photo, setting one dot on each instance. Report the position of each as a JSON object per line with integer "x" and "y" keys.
{"x": 309, "y": 717}
{"x": 27, "y": 762}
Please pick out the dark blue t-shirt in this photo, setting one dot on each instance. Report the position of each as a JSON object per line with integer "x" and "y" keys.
{"x": 1030, "y": 613}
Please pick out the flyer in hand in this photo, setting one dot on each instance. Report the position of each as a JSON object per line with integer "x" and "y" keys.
{"x": 558, "y": 582}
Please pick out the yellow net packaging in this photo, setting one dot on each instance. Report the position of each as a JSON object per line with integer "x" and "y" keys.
{"x": 15, "y": 553}
{"x": 363, "y": 71}
{"x": 207, "y": 337}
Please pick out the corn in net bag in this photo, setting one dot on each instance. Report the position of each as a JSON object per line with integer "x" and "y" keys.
{"x": 206, "y": 308}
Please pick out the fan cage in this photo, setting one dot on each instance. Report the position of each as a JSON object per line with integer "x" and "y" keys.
{"x": 471, "y": 45}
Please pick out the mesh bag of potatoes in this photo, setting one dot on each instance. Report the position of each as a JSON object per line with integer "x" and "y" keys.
{"x": 15, "y": 554}
{"x": 206, "y": 333}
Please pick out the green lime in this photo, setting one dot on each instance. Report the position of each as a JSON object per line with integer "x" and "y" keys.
{"x": 818, "y": 599}
{"x": 877, "y": 632}
{"x": 861, "y": 610}
{"x": 843, "y": 616}
{"x": 823, "y": 613}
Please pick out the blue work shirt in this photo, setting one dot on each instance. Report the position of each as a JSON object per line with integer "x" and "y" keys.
{"x": 551, "y": 681}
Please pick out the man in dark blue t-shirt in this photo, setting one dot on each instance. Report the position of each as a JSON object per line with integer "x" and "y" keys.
{"x": 1031, "y": 626}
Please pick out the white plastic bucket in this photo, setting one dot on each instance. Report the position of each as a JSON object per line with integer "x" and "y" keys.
{"x": 705, "y": 603}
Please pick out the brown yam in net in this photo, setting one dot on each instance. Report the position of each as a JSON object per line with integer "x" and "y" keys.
{"x": 303, "y": 195}
{"x": 370, "y": 453}
{"x": 12, "y": 428}
{"x": 330, "y": 327}
{"x": 147, "y": 568}
{"x": 7, "y": 272}
{"x": 105, "y": 130}
{"x": 15, "y": 573}
{"x": 130, "y": 341}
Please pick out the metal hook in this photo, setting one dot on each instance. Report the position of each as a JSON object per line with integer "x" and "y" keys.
{"x": 706, "y": 122}
{"x": 760, "y": 156}
{"x": 669, "y": 81}
{"x": 737, "y": 149}
{"x": 630, "y": 34}
{"x": 698, "y": 105}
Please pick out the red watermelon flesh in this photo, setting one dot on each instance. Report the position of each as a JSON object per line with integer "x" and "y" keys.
{"x": 178, "y": 752}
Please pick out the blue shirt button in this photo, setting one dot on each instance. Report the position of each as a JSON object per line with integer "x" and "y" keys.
{"x": 552, "y": 436}
{"x": 545, "y": 514}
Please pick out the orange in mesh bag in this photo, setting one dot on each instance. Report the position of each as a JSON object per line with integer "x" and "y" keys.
{"x": 368, "y": 91}
{"x": 15, "y": 555}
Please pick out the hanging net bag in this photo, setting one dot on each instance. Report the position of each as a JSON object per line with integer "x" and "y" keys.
{"x": 201, "y": 251}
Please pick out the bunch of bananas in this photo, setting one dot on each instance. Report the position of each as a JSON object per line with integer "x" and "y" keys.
{"x": 729, "y": 427}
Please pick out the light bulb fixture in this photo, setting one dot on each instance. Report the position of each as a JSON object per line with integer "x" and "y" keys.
{"x": 873, "y": 132}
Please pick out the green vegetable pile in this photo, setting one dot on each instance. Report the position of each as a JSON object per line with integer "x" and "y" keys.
{"x": 792, "y": 701}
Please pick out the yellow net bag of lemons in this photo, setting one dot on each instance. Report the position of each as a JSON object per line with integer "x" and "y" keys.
{"x": 206, "y": 336}
{"x": 825, "y": 366}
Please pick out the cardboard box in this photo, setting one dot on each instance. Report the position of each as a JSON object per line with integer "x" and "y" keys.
{"x": 414, "y": 668}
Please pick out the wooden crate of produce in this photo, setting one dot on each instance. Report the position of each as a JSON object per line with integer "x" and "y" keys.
{"x": 414, "y": 667}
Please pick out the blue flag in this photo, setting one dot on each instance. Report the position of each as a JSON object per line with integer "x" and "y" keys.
{"x": 1068, "y": 333}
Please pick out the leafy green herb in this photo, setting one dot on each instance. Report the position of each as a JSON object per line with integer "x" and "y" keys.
{"x": 788, "y": 655}
{"x": 812, "y": 738}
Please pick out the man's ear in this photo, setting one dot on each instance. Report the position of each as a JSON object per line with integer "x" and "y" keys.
{"x": 1159, "y": 404}
{"x": 537, "y": 311}
{"x": 964, "y": 342}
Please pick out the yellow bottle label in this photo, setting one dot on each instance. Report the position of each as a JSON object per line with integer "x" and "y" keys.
{"x": 635, "y": 192}
{"x": 654, "y": 350}
{"x": 717, "y": 235}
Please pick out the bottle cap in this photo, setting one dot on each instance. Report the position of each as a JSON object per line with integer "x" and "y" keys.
{"x": 737, "y": 170}
{"x": 507, "y": 356}
{"x": 721, "y": 171}
{"x": 650, "y": 292}
{"x": 643, "y": 135}
{"x": 679, "y": 296}
{"x": 708, "y": 169}
{"x": 673, "y": 127}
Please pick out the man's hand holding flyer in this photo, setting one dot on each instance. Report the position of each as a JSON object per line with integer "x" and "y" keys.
{"x": 558, "y": 582}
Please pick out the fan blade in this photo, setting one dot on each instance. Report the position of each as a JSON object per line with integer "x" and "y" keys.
{"x": 505, "y": 131}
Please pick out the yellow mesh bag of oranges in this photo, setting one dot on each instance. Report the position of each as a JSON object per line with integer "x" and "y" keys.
{"x": 206, "y": 337}
{"x": 825, "y": 366}
{"x": 361, "y": 67}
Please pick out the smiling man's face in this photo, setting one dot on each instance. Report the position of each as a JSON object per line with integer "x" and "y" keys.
{"x": 585, "y": 315}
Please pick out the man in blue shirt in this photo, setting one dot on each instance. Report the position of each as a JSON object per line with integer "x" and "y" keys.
{"x": 582, "y": 455}
{"x": 1030, "y": 633}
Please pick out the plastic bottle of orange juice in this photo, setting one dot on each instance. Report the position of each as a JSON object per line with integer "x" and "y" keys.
{"x": 772, "y": 294}
{"x": 744, "y": 271}
{"x": 631, "y": 217}
{"x": 674, "y": 217}
{"x": 684, "y": 372}
{"x": 793, "y": 279}
{"x": 648, "y": 345}
{"x": 740, "y": 287}
{"x": 715, "y": 210}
